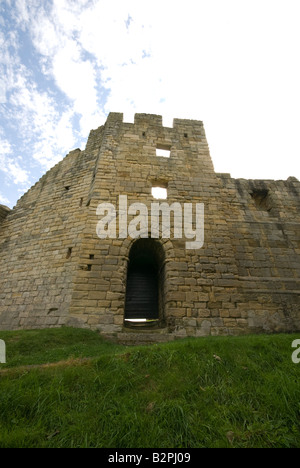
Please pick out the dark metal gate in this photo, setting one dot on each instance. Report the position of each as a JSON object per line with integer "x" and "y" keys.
{"x": 142, "y": 293}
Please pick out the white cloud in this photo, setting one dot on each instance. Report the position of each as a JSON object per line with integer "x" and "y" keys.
{"x": 16, "y": 172}
{"x": 5, "y": 147}
{"x": 47, "y": 132}
{"x": 45, "y": 128}
{"x": 9, "y": 63}
{"x": 3, "y": 199}
{"x": 104, "y": 33}
{"x": 231, "y": 64}
{"x": 76, "y": 78}
{"x": 2, "y": 91}
{"x": 54, "y": 37}
{"x": 22, "y": 7}
{"x": 10, "y": 166}
{"x": 56, "y": 140}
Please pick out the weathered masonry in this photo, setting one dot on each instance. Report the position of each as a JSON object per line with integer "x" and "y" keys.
{"x": 56, "y": 271}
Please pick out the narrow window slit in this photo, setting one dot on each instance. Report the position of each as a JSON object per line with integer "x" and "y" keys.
{"x": 69, "y": 252}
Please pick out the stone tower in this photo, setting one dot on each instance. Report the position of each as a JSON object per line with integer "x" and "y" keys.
{"x": 56, "y": 270}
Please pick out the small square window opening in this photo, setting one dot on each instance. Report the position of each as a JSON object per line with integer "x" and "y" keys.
{"x": 159, "y": 193}
{"x": 163, "y": 152}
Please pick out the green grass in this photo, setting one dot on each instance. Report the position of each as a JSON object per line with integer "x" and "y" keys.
{"x": 207, "y": 392}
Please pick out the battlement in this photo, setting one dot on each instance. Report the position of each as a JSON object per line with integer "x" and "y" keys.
{"x": 152, "y": 120}
{"x": 145, "y": 125}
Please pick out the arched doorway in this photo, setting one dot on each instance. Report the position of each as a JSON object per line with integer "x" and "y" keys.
{"x": 144, "y": 289}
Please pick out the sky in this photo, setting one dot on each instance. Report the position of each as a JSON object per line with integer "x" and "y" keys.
{"x": 66, "y": 64}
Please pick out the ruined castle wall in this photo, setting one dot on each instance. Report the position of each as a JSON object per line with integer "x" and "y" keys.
{"x": 265, "y": 232}
{"x": 57, "y": 271}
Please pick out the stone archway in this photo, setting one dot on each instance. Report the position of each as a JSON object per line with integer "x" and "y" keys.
{"x": 144, "y": 304}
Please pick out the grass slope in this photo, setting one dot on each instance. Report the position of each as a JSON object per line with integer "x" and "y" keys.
{"x": 69, "y": 388}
